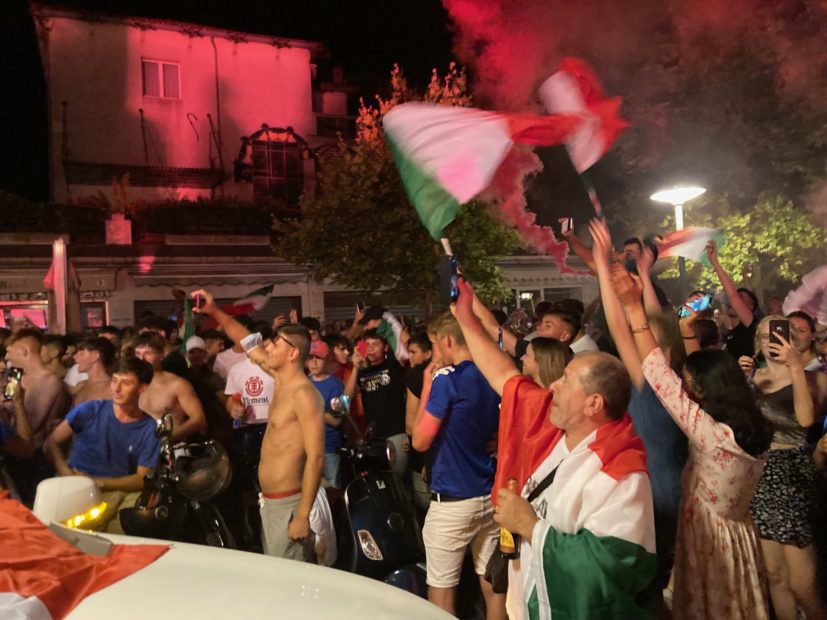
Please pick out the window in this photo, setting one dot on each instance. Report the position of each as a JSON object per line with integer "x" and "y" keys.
{"x": 277, "y": 167}
{"x": 160, "y": 79}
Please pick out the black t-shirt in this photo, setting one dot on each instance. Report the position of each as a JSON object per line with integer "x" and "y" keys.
{"x": 741, "y": 340}
{"x": 413, "y": 379}
{"x": 383, "y": 397}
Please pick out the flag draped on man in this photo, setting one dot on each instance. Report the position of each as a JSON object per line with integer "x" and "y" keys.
{"x": 448, "y": 155}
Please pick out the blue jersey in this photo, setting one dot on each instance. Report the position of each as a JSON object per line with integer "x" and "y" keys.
{"x": 106, "y": 447}
{"x": 330, "y": 388}
{"x": 470, "y": 413}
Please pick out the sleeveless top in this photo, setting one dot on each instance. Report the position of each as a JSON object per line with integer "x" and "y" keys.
{"x": 779, "y": 408}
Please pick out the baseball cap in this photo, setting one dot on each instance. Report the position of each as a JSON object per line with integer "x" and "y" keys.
{"x": 196, "y": 342}
{"x": 318, "y": 348}
{"x": 372, "y": 313}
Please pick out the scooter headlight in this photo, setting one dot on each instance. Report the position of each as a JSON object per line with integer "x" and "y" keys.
{"x": 86, "y": 519}
{"x": 369, "y": 546}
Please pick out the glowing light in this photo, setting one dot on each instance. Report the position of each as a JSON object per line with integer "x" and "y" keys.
{"x": 677, "y": 195}
{"x": 87, "y": 517}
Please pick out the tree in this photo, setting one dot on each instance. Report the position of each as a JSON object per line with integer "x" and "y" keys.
{"x": 771, "y": 246}
{"x": 360, "y": 230}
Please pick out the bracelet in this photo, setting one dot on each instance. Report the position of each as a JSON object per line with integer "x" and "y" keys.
{"x": 689, "y": 337}
{"x": 641, "y": 329}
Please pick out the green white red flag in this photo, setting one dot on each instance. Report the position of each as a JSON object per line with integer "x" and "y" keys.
{"x": 252, "y": 302}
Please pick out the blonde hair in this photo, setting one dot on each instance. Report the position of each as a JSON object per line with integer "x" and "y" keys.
{"x": 446, "y": 325}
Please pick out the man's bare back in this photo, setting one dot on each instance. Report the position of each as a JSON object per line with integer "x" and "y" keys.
{"x": 46, "y": 401}
{"x": 164, "y": 395}
{"x": 283, "y": 451}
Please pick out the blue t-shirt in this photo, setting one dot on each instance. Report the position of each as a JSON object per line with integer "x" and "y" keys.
{"x": 107, "y": 448}
{"x": 330, "y": 388}
{"x": 470, "y": 412}
{"x": 666, "y": 449}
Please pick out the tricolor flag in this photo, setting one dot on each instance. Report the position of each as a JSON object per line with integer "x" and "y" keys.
{"x": 448, "y": 155}
{"x": 690, "y": 243}
{"x": 575, "y": 90}
{"x": 391, "y": 329}
{"x": 811, "y": 296}
{"x": 251, "y": 302}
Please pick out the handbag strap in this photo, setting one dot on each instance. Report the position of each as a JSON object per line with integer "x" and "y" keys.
{"x": 543, "y": 485}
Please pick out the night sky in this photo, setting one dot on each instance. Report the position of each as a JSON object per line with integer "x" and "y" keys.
{"x": 365, "y": 38}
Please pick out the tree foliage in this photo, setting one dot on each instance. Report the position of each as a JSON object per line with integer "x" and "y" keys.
{"x": 360, "y": 230}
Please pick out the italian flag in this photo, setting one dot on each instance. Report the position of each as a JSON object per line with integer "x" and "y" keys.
{"x": 575, "y": 90}
{"x": 593, "y": 550}
{"x": 448, "y": 155}
{"x": 690, "y": 243}
{"x": 251, "y": 302}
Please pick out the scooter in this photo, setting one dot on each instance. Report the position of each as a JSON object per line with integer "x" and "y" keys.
{"x": 376, "y": 525}
{"x": 175, "y": 503}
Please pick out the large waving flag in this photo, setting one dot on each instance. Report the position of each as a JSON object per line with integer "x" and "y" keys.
{"x": 575, "y": 90}
{"x": 448, "y": 155}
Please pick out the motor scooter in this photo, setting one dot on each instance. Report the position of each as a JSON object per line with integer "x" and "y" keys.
{"x": 176, "y": 501}
{"x": 376, "y": 525}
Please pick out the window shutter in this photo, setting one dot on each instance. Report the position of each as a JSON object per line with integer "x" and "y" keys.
{"x": 150, "y": 76}
{"x": 171, "y": 82}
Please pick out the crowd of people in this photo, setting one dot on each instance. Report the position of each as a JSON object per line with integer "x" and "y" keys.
{"x": 647, "y": 463}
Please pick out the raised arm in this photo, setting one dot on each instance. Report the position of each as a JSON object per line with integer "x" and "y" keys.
{"x": 494, "y": 329}
{"x": 235, "y": 330}
{"x": 615, "y": 317}
{"x": 733, "y": 298}
{"x": 495, "y": 365}
{"x": 579, "y": 248}
{"x": 802, "y": 397}
{"x": 309, "y": 412}
{"x": 650, "y": 297}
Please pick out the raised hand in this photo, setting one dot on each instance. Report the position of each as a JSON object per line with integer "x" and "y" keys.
{"x": 208, "y": 307}
{"x": 645, "y": 260}
{"x": 602, "y": 242}
{"x": 712, "y": 251}
{"x": 626, "y": 286}
{"x": 463, "y": 307}
{"x": 785, "y": 353}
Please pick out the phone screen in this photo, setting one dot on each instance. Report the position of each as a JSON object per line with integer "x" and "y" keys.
{"x": 779, "y": 327}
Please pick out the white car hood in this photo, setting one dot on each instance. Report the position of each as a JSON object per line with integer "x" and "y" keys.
{"x": 194, "y": 581}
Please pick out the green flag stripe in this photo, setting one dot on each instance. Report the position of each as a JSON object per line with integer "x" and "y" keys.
{"x": 591, "y": 577}
{"x": 435, "y": 206}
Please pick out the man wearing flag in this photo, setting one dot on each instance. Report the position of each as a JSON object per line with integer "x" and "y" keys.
{"x": 588, "y": 539}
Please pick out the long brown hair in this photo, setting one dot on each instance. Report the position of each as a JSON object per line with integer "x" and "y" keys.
{"x": 551, "y": 356}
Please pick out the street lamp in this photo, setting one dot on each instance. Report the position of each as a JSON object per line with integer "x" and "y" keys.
{"x": 677, "y": 196}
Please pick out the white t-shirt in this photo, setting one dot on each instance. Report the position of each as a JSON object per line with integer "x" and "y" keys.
{"x": 225, "y": 360}
{"x": 256, "y": 388}
{"x": 74, "y": 376}
{"x": 586, "y": 343}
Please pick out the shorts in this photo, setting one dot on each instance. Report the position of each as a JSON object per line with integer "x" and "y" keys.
{"x": 276, "y": 514}
{"x": 450, "y": 527}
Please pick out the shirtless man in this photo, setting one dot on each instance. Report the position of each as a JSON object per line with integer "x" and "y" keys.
{"x": 46, "y": 400}
{"x": 169, "y": 393}
{"x": 95, "y": 357}
{"x": 292, "y": 452}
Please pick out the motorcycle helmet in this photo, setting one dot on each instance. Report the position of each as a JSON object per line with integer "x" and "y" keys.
{"x": 204, "y": 470}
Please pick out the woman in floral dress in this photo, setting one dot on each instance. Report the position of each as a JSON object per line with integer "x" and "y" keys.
{"x": 718, "y": 570}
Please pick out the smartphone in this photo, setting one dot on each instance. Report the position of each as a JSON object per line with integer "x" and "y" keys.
{"x": 362, "y": 348}
{"x": 360, "y": 306}
{"x": 13, "y": 376}
{"x": 448, "y": 275}
{"x": 566, "y": 224}
{"x": 197, "y": 300}
{"x": 779, "y": 327}
{"x": 699, "y": 304}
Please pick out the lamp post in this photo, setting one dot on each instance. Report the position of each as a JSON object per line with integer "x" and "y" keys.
{"x": 677, "y": 196}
